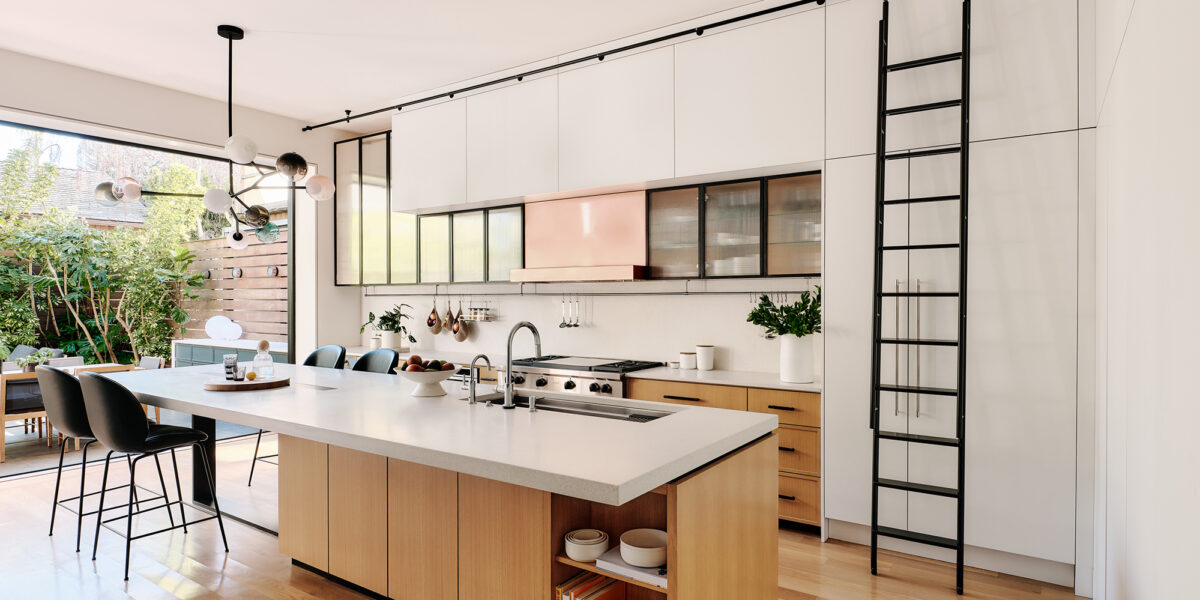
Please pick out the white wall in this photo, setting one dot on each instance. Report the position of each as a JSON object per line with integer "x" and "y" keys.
{"x": 1147, "y": 481}
{"x": 79, "y": 100}
{"x": 634, "y": 326}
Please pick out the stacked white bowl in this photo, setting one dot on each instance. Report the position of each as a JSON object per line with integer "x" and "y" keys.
{"x": 645, "y": 548}
{"x": 586, "y": 545}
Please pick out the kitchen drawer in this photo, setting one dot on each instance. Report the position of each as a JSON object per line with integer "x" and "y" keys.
{"x": 793, "y": 408}
{"x": 800, "y": 450}
{"x": 800, "y": 499}
{"x": 691, "y": 394}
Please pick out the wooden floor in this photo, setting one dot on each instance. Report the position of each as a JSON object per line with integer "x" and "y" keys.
{"x": 174, "y": 565}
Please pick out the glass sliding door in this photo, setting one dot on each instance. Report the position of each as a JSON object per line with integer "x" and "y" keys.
{"x": 674, "y": 236}
{"x": 733, "y": 229}
{"x": 348, "y": 214}
{"x": 468, "y": 256}
{"x": 375, "y": 209}
{"x": 794, "y": 225}
{"x": 434, "y": 236}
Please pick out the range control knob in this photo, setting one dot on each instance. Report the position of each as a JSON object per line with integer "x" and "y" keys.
{"x": 518, "y": 380}
{"x": 606, "y": 389}
{"x": 569, "y": 385}
{"x": 595, "y": 387}
{"x": 541, "y": 382}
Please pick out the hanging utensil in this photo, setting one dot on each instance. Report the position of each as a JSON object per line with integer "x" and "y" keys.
{"x": 449, "y": 321}
{"x": 460, "y": 326}
{"x": 564, "y": 323}
{"x": 433, "y": 321}
{"x": 576, "y": 323}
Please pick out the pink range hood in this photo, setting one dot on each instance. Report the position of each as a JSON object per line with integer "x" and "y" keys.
{"x": 594, "y": 238}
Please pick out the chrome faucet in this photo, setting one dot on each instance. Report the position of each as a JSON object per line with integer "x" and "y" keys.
{"x": 508, "y": 365}
{"x": 473, "y": 376}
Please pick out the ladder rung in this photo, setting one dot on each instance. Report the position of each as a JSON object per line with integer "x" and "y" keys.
{"x": 921, "y": 153}
{"x": 920, "y": 247}
{"x": 917, "y": 389}
{"x": 917, "y": 438}
{"x": 916, "y": 342}
{"x": 920, "y": 294}
{"x": 920, "y": 538}
{"x": 925, "y": 62}
{"x": 922, "y": 199}
{"x": 920, "y": 488}
{"x": 904, "y": 110}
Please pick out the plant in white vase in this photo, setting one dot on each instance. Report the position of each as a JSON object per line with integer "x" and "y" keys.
{"x": 390, "y": 324}
{"x": 795, "y": 325}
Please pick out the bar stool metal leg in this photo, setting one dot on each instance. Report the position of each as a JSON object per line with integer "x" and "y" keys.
{"x": 129, "y": 512}
{"x": 100, "y": 509}
{"x": 213, "y": 483}
{"x": 57, "y": 482}
{"x": 163, "y": 483}
{"x": 178, "y": 490}
{"x": 255, "y": 458}
{"x": 82, "y": 481}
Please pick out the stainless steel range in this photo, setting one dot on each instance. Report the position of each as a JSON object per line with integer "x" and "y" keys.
{"x": 581, "y": 375}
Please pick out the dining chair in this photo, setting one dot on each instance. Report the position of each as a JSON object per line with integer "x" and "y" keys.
{"x": 151, "y": 362}
{"x": 116, "y": 418}
{"x": 329, "y": 357}
{"x": 20, "y": 400}
{"x": 379, "y": 360}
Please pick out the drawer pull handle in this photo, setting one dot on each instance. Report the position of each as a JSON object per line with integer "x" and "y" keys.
{"x": 783, "y": 497}
{"x": 786, "y": 449}
{"x": 689, "y": 399}
{"x": 777, "y": 407}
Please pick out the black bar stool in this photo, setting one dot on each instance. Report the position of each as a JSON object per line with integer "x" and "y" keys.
{"x": 117, "y": 420}
{"x": 328, "y": 357}
{"x": 379, "y": 360}
{"x": 63, "y": 399}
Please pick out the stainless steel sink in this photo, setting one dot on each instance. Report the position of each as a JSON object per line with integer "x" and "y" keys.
{"x": 582, "y": 407}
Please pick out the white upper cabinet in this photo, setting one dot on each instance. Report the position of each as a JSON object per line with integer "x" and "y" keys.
{"x": 429, "y": 156}
{"x": 852, "y": 61}
{"x": 751, "y": 97}
{"x": 512, "y": 141}
{"x": 616, "y": 121}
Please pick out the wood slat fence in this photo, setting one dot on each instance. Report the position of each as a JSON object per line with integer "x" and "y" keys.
{"x": 257, "y": 300}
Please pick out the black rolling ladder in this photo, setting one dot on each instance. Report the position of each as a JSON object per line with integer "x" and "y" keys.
{"x": 959, "y": 391}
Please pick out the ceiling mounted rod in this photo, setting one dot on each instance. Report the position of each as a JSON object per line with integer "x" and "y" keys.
{"x": 699, "y": 30}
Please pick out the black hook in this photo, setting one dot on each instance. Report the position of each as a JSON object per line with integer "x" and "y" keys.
{"x": 347, "y": 115}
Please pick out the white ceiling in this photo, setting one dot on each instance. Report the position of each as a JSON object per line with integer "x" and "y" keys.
{"x": 311, "y": 59}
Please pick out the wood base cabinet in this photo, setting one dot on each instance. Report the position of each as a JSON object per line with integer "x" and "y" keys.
{"x": 409, "y": 531}
{"x": 799, "y": 433}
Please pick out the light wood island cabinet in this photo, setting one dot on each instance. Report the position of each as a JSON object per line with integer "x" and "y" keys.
{"x": 799, "y": 433}
{"x": 414, "y": 531}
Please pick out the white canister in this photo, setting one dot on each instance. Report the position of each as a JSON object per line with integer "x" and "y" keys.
{"x": 687, "y": 360}
{"x": 796, "y": 358}
{"x": 704, "y": 357}
{"x": 373, "y": 343}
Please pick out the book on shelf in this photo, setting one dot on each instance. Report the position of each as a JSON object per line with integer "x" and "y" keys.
{"x": 612, "y": 562}
{"x": 590, "y": 586}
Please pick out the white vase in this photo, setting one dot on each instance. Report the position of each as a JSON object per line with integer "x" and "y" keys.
{"x": 393, "y": 340}
{"x": 796, "y": 359}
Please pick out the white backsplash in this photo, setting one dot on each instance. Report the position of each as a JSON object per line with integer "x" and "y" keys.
{"x": 646, "y": 327}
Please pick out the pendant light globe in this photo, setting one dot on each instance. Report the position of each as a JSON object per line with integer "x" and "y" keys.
{"x": 105, "y": 196}
{"x": 217, "y": 200}
{"x": 292, "y": 165}
{"x": 241, "y": 149}
{"x": 320, "y": 188}
{"x": 238, "y": 240}
{"x": 127, "y": 189}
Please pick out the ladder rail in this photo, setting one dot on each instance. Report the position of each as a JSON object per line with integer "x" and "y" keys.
{"x": 964, "y": 185}
{"x": 877, "y": 335}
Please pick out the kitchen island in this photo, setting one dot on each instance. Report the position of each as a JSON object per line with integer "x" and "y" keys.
{"x": 437, "y": 498}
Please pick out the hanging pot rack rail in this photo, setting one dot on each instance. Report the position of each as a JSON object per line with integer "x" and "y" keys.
{"x": 599, "y": 56}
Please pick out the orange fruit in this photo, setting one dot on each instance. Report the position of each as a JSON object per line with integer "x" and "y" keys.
{"x": 250, "y": 376}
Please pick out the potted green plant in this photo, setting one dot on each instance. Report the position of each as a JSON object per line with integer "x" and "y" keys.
{"x": 391, "y": 327}
{"x": 795, "y": 325}
{"x": 30, "y": 362}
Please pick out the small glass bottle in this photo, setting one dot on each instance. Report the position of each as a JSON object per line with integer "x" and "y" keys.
{"x": 264, "y": 365}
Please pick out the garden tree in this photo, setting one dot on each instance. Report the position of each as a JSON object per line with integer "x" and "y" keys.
{"x": 27, "y": 176}
{"x": 182, "y": 179}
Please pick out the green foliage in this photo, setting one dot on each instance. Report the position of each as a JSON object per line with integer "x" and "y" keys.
{"x": 799, "y": 318}
{"x": 39, "y": 357}
{"x": 98, "y": 291}
{"x": 392, "y": 320}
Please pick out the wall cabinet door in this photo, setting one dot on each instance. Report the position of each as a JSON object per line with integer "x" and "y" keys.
{"x": 616, "y": 121}
{"x": 512, "y": 141}
{"x": 429, "y": 156}
{"x": 749, "y": 97}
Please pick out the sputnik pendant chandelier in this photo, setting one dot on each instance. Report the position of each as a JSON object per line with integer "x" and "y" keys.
{"x": 240, "y": 150}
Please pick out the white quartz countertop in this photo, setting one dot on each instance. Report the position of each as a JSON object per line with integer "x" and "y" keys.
{"x": 718, "y": 377}
{"x": 602, "y": 460}
{"x": 242, "y": 344}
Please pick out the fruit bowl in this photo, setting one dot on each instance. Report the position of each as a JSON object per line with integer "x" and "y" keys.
{"x": 429, "y": 383}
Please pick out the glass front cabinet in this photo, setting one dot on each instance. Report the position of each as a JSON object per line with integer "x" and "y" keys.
{"x": 749, "y": 228}
{"x": 377, "y": 245}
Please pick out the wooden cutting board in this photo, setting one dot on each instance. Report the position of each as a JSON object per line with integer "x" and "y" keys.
{"x": 227, "y": 385}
